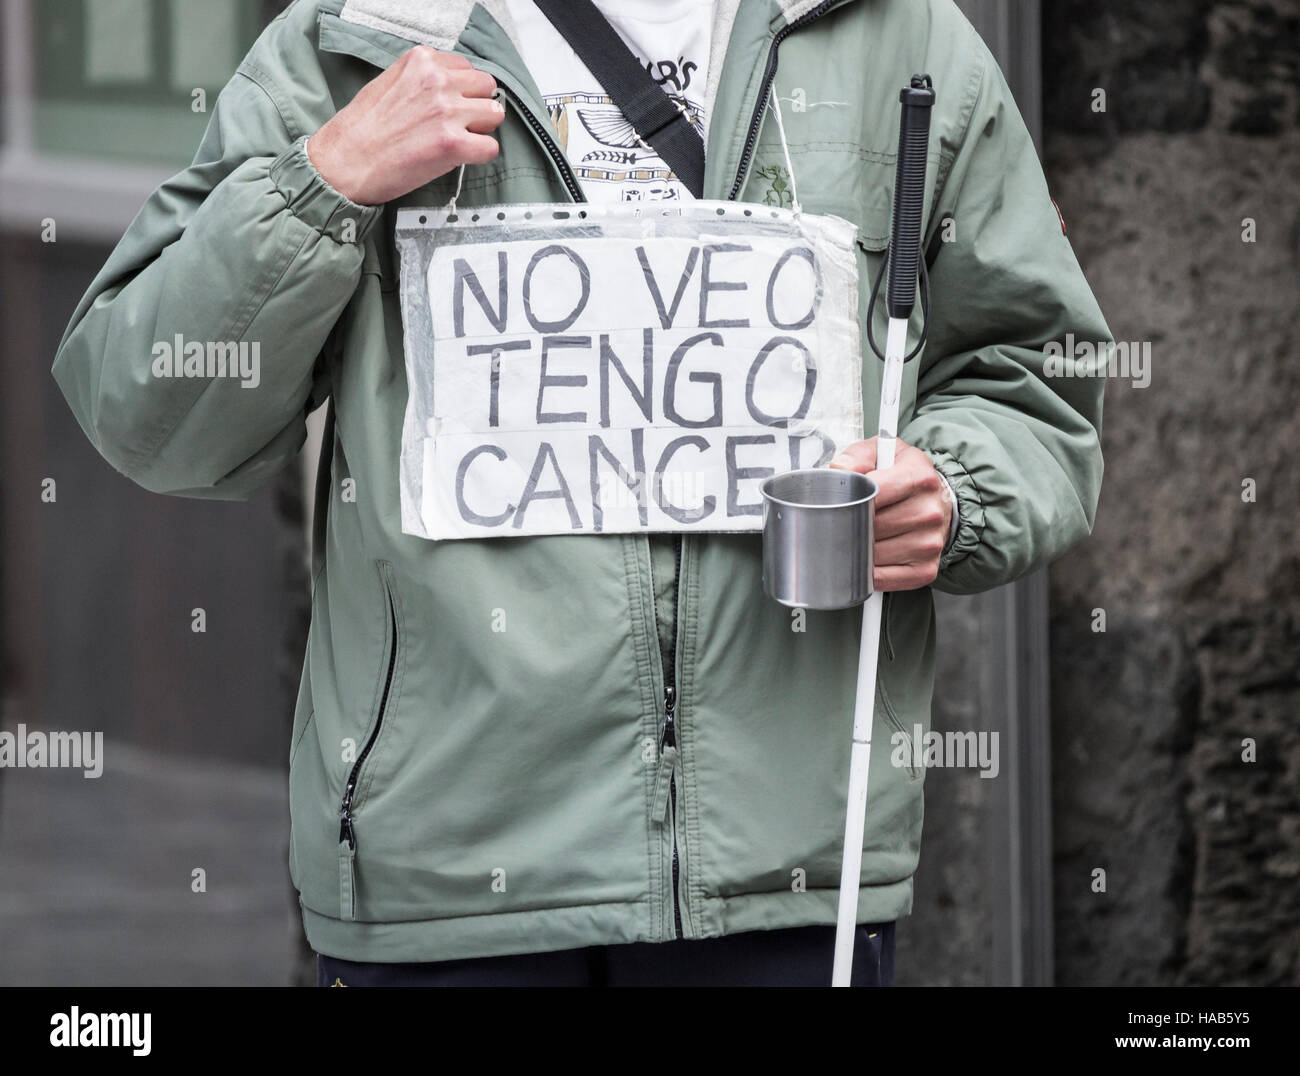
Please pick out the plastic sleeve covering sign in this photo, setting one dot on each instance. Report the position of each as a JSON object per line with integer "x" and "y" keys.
{"x": 602, "y": 369}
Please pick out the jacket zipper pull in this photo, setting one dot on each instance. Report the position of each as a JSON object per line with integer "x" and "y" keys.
{"x": 347, "y": 856}
{"x": 667, "y": 757}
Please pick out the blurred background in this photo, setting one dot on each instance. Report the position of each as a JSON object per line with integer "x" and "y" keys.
{"x": 1145, "y": 824}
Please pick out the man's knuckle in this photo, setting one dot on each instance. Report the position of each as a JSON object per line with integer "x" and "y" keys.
{"x": 435, "y": 82}
{"x": 421, "y": 57}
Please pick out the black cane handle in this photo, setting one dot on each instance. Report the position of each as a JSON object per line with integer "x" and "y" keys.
{"x": 909, "y": 196}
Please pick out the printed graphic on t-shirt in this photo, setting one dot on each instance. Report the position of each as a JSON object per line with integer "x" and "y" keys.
{"x": 671, "y": 41}
{"x": 602, "y": 144}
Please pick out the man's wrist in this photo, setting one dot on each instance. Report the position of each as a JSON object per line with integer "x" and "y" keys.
{"x": 954, "y": 522}
{"x": 311, "y": 198}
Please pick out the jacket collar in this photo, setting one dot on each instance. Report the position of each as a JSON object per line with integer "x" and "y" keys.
{"x": 439, "y": 25}
{"x": 442, "y": 24}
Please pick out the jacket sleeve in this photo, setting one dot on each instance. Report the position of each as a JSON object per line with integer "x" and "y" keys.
{"x": 249, "y": 245}
{"x": 1020, "y": 447}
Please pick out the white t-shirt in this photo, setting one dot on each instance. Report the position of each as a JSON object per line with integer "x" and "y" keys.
{"x": 671, "y": 39}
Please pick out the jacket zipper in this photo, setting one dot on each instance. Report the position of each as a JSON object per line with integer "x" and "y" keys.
{"x": 548, "y": 144}
{"x": 347, "y": 829}
{"x": 769, "y": 73}
{"x": 668, "y": 740}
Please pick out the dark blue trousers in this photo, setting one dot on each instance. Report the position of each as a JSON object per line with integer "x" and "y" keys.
{"x": 800, "y": 956}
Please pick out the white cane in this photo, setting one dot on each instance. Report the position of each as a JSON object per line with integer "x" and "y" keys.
{"x": 904, "y": 263}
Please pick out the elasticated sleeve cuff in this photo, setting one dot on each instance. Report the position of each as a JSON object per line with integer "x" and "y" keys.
{"x": 313, "y": 201}
{"x": 969, "y": 507}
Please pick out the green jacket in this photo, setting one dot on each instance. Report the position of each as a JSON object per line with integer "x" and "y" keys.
{"x": 460, "y": 790}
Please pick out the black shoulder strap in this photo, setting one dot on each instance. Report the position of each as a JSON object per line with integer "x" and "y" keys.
{"x": 648, "y": 108}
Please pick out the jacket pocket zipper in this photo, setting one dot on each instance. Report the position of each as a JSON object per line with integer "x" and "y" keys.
{"x": 913, "y": 766}
{"x": 885, "y": 633}
{"x": 886, "y": 703}
{"x": 347, "y": 827}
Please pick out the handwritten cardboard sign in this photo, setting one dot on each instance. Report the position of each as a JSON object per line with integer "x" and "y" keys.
{"x": 594, "y": 369}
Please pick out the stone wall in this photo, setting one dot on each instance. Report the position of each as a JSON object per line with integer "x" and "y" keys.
{"x": 1195, "y": 559}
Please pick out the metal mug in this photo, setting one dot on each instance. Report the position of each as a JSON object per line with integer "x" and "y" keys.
{"x": 818, "y": 527}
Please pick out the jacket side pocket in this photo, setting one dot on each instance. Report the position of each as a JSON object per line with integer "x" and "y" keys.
{"x": 387, "y": 696}
{"x": 912, "y": 764}
{"x": 886, "y": 704}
